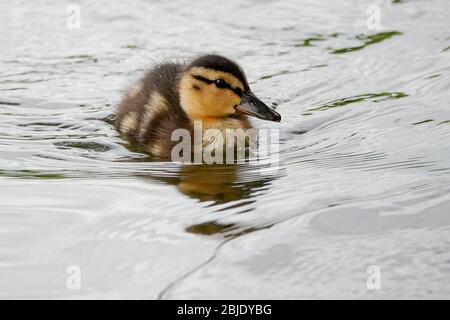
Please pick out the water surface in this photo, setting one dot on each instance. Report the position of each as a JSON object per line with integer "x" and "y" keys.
{"x": 364, "y": 174}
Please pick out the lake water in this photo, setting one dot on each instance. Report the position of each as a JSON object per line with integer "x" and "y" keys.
{"x": 360, "y": 200}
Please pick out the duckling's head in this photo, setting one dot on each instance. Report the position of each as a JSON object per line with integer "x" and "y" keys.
{"x": 214, "y": 87}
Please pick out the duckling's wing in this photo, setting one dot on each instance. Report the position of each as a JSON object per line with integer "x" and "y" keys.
{"x": 150, "y": 110}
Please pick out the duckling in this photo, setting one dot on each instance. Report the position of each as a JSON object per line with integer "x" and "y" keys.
{"x": 211, "y": 89}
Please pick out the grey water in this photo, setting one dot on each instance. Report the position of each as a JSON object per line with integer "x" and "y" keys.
{"x": 364, "y": 175}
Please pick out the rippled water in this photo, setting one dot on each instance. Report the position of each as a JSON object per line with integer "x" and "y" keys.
{"x": 364, "y": 177}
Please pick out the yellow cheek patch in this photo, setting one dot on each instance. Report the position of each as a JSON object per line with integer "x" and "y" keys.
{"x": 218, "y": 102}
{"x": 202, "y": 100}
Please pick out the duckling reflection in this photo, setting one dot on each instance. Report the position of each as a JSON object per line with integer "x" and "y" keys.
{"x": 216, "y": 183}
{"x": 226, "y": 230}
{"x": 220, "y": 183}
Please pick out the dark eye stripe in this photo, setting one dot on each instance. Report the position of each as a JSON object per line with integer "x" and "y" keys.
{"x": 203, "y": 79}
{"x": 237, "y": 91}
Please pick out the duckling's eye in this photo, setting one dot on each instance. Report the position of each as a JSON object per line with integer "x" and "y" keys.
{"x": 221, "y": 83}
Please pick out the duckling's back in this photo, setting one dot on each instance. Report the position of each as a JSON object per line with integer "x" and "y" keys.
{"x": 150, "y": 110}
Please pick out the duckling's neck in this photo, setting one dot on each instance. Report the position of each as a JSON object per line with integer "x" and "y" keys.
{"x": 215, "y": 131}
{"x": 224, "y": 123}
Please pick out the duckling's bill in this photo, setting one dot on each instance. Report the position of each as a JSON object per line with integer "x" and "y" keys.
{"x": 252, "y": 106}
